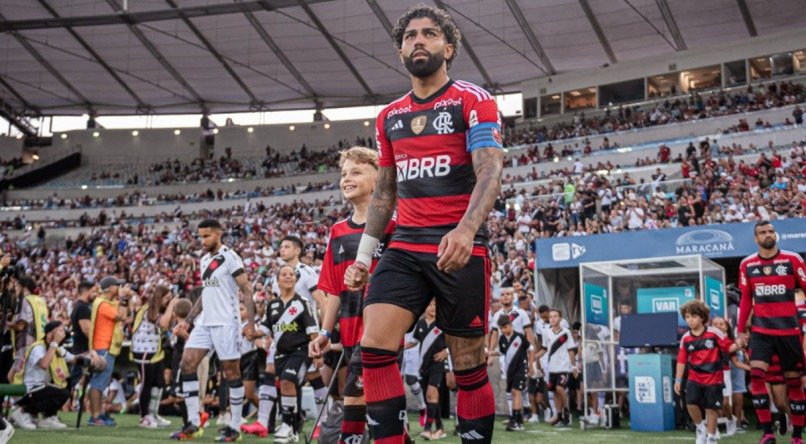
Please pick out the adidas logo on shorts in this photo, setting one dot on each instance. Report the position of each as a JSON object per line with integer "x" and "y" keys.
{"x": 471, "y": 435}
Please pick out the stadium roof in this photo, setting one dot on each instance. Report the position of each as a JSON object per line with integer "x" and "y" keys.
{"x": 175, "y": 56}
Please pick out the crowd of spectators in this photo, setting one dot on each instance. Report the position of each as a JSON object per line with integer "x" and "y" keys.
{"x": 226, "y": 167}
{"x": 721, "y": 190}
{"x": 694, "y": 107}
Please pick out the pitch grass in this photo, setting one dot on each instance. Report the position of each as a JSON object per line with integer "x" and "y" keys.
{"x": 127, "y": 431}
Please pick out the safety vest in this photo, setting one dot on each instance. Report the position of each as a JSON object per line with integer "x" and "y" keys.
{"x": 58, "y": 367}
{"x": 117, "y": 332}
{"x": 154, "y": 334}
{"x": 40, "y": 310}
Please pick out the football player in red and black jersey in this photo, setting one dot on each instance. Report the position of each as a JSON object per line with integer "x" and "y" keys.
{"x": 440, "y": 165}
{"x": 701, "y": 348}
{"x": 768, "y": 280}
{"x": 359, "y": 173}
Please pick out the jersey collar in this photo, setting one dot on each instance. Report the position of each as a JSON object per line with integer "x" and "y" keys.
{"x": 433, "y": 96}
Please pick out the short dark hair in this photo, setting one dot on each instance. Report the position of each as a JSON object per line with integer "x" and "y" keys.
{"x": 85, "y": 285}
{"x": 543, "y": 308}
{"x": 695, "y": 307}
{"x": 761, "y": 223}
{"x": 182, "y": 308}
{"x": 295, "y": 240}
{"x": 503, "y": 320}
{"x": 28, "y": 283}
{"x": 440, "y": 17}
{"x": 210, "y": 223}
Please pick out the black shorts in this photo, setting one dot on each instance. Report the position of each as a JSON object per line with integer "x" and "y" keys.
{"x": 331, "y": 358}
{"x": 292, "y": 366}
{"x": 410, "y": 280}
{"x": 788, "y": 348}
{"x": 558, "y": 380}
{"x": 537, "y": 385}
{"x": 354, "y": 383}
{"x": 517, "y": 378}
{"x": 706, "y": 396}
{"x": 432, "y": 375}
{"x": 575, "y": 382}
{"x": 249, "y": 366}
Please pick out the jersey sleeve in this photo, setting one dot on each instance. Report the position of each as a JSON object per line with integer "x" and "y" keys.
{"x": 725, "y": 344}
{"x": 309, "y": 278}
{"x": 682, "y": 353}
{"x": 746, "y": 301}
{"x": 236, "y": 265}
{"x": 386, "y": 157}
{"x": 308, "y": 321}
{"x": 502, "y": 347}
{"x": 484, "y": 124}
{"x": 328, "y": 277}
{"x": 572, "y": 344}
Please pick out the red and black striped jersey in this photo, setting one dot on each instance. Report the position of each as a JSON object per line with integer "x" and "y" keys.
{"x": 703, "y": 353}
{"x": 429, "y": 141}
{"x": 340, "y": 254}
{"x": 768, "y": 289}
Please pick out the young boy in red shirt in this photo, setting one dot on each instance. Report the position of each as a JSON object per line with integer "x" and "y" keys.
{"x": 701, "y": 348}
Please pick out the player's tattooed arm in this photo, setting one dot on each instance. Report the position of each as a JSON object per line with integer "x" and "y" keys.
{"x": 488, "y": 163}
{"x": 249, "y": 302}
{"x": 248, "y": 299}
{"x": 384, "y": 199}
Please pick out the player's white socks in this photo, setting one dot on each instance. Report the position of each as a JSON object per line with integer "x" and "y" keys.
{"x": 509, "y": 402}
{"x": 268, "y": 396}
{"x": 417, "y": 391}
{"x": 154, "y": 403}
{"x": 552, "y": 404}
{"x": 190, "y": 388}
{"x": 236, "y": 395}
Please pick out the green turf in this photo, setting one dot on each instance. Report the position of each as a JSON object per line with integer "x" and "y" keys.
{"x": 127, "y": 431}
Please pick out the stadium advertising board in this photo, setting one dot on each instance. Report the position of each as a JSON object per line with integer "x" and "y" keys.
{"x": 711, "y": 241}
{"x": 715, "y": 296}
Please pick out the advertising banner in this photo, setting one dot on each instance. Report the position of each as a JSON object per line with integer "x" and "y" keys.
{"x": 712, "y": 241}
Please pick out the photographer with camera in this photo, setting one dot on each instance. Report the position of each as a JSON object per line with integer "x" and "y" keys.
{"x": 109, "y": 312}
{"x": 29, "y": 320}
{"x": 45, "y": 377}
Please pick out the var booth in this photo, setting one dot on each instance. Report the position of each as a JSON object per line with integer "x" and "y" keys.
{"x": 659, "y": 287}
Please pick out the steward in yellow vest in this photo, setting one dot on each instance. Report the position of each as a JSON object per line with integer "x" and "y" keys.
{"x": 45, "y": 377}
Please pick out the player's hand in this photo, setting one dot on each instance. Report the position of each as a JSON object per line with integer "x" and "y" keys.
{"x": 356, "y": 276}
{"x": 5, "y": 260}
{"x": 741, "y": 338}
{"x": 677, "y": 388}
{"x": 318, "y": 346}
{"x": 441, "y": 356}
{"x": 249, "y": 331}
{"x": 575, "y": 372}
{"x": 455, "y": 249}
{"x": 490, "y": 360}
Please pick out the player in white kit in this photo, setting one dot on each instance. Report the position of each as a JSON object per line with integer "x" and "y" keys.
{"x": 218, "y": 327}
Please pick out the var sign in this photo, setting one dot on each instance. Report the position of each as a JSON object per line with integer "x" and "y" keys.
{"x": 663, "y": 305}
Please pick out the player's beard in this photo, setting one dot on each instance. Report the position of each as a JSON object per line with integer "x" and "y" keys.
{"x": 768, "y": 244}
{"x": 424, "y": 68}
